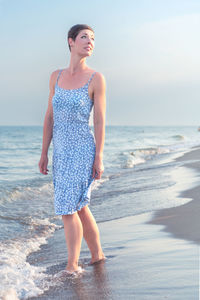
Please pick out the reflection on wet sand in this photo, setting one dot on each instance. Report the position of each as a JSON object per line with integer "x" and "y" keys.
{"x": 93, "y": 283}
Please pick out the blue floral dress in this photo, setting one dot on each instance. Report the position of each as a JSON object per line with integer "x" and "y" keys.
{"x": 73, "y": 148}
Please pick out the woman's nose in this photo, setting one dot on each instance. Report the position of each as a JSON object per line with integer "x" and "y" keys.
{"x": 90, "y": 40}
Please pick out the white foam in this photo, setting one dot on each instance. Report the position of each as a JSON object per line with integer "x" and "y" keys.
{"x": 132, "y": 161}
{"x": 141, "y": 155}
{"x": 64, "y": 273}
{"x": 17, "y": 276}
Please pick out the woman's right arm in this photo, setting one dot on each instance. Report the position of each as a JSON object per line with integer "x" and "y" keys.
{"x": 48, "y": 127}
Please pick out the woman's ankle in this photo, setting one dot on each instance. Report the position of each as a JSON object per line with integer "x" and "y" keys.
{"x": 72, "y": 267}
{"x": 97, "y": 256}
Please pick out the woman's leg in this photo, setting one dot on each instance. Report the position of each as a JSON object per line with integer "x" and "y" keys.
{"x": 91, "y": 234}
{"x": 73, "y": 235}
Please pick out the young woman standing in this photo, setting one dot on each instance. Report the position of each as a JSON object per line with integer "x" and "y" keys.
{"x": 77, "y": 153}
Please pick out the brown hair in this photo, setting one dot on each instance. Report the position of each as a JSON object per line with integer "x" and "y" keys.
{"x": 74, "y": 31}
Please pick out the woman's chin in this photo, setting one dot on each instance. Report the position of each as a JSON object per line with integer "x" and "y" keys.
{"x": 86, "y": 54}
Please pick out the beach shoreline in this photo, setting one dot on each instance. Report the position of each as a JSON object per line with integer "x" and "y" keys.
{"x": 149, "y": 256}
{"x": 144, "y": 260}
{"x": 143, "y": 263}
{"x": 182, "y": 221}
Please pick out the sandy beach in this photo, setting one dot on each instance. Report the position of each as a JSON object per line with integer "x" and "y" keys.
{"x": 183, "y": 221}
{"x": 149, "y": 256}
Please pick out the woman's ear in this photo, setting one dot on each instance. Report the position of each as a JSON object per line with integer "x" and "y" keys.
{"x": 70, "y": 42}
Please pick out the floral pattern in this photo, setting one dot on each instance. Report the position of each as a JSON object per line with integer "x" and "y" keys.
{"x": 73, "y": 148}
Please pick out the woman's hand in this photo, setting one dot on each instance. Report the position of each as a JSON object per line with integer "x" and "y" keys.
{"x": 98, "y": 168}
{"x": 43, "y": 164}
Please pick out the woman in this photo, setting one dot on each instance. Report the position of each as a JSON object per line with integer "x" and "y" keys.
{"x": 77, "y": 152}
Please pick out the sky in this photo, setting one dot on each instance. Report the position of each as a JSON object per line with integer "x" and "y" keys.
{"x": 147, "y": 50}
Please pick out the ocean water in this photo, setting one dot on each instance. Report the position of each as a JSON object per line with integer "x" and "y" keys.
{"x": 140, "y": 176}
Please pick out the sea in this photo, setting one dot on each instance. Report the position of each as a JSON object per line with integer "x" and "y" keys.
{"x": 141, "y": 175}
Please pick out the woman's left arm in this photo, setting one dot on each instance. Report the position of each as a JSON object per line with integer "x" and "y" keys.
{"x": 99, "y": 123}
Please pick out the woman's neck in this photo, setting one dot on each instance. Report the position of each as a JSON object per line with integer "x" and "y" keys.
{"x": 76, "y": 65}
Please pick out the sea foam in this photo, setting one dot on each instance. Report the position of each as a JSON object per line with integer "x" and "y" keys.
{"x": 18, "y": 277}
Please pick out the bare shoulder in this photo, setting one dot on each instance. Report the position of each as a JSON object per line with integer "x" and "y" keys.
{"x": 99, "y": 80}
{"x": 53, "y": 78}
{"x": 99, "y": 76}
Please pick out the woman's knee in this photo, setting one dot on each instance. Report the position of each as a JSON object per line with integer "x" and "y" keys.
{"x": 70, "y": 216}
{"x": 83, "y": 211}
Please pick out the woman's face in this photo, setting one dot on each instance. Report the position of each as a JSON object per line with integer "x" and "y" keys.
{"x": 84, "y": 43}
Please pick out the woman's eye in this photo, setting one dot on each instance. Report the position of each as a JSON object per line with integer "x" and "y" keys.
{"x": 85, "y": 36}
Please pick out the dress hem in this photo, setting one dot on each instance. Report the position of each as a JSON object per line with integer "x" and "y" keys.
{"x": 74, "y": 211}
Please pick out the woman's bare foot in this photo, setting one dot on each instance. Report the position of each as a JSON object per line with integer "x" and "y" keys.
{"x": 74, "y": 271}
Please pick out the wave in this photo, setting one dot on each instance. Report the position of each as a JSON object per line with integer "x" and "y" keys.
{"x": 140, "y": 156}
{"x": 19, "y": 279}
{"x": 28, "y": 280}
{"x": 27, "y": 192}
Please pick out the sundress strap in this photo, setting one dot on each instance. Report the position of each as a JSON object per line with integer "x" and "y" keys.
{"x": 88, "y": 80}
{"x": 91, "y": 77}
{"x": 58, "y": 76}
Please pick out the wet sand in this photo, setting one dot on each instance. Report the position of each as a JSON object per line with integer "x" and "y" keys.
{"x": 150, "y": 256}
{"x": 143, "y": 262}
{"x": 183, "y": 221}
